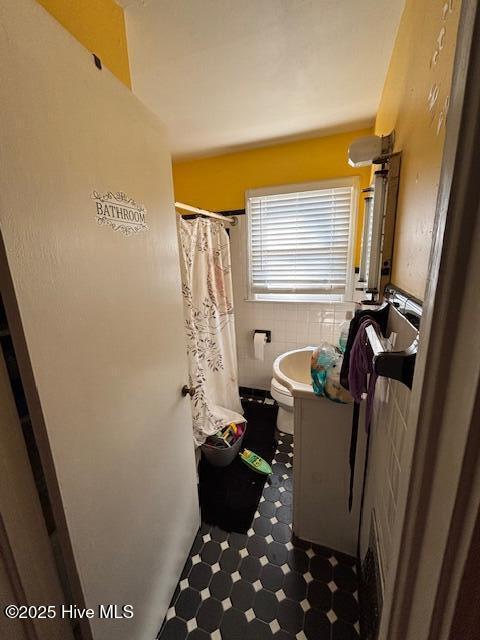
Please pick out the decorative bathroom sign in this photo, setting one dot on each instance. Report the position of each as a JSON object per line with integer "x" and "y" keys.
{"x": 120, "y": 212}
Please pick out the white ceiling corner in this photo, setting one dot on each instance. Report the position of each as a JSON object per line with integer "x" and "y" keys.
{"x": 224, "y": 74}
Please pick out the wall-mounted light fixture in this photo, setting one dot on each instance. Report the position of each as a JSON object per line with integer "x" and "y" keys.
{"x": 370, "y": 150}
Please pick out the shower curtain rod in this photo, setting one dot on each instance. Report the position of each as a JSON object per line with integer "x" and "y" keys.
{"x": 203, "y": 212}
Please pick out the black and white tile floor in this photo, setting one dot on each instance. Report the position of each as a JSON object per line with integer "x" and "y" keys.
{"x": 266, "y": 583}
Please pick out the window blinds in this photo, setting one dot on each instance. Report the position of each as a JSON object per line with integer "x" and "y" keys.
{"x": 299, "y": 242}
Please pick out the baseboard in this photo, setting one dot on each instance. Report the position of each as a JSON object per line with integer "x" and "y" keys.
{"x": 261, "y": 396}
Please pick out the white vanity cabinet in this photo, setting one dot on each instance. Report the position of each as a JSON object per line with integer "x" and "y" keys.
{"x": 321, "y": 472}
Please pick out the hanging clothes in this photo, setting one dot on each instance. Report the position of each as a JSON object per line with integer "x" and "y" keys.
{"x": 380, "y": 316}
{"x": 361, "y": 366}
{"x": 356, "y": 366}
{"x": 209, "y": 325}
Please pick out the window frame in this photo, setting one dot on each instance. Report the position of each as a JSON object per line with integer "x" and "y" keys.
{"x": 350, "y": 181}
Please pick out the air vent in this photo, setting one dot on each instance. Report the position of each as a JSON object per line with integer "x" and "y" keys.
{"x": 371, "y": 593}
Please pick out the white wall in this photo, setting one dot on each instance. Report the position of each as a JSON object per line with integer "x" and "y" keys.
{"x": 293, "y": 325}
{"x": 101, "y": 315}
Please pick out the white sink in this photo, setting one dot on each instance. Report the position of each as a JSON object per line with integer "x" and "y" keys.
{"x": 292, "y": 370}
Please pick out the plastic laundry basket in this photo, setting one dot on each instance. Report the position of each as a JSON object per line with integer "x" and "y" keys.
{"x": 222, "y": 456}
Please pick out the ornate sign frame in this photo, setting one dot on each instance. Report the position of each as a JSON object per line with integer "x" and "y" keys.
{"x": 120, "y": 212}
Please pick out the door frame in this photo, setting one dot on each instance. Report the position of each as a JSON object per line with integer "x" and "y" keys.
{"x": 440, "y": 499}
{"x": 31, "y": 572}
{"x": 7, "y": 290}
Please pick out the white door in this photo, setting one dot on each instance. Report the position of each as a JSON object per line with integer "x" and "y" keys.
{"x": 100, "y": 314}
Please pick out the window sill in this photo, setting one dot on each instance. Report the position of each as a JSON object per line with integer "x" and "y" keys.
{"x": 299, "y": 299}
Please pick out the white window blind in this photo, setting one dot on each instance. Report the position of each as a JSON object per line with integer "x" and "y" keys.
{"x": 300, "y": 242}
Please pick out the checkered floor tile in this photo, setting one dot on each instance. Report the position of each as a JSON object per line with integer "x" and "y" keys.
{"x": 266, "y": 583}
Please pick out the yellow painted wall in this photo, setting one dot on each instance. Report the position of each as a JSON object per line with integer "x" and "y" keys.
{"x": 100, "y": 26}
{"x": 418, "y": 66}
{"x": 219, "y": 183}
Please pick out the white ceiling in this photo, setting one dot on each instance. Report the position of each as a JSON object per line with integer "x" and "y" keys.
{"x": 227, "y": 74}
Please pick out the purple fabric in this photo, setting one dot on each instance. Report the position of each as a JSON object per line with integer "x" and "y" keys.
{"x": 361, "y": 365}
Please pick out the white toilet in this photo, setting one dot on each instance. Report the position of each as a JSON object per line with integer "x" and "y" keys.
{"x": 290, "y": 370}
{"x": 285, "y": 406}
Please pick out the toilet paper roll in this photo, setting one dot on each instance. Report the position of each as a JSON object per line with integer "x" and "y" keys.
{"x": 259, "y": 340}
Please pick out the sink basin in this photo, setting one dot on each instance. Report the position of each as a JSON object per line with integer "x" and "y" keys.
{"x": 292, "y": 371}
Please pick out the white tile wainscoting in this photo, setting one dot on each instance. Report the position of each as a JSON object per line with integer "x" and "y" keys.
{"x": 387, "y": 464}
{"x": 293, "y": 324}
{"x": 389, "y": 461}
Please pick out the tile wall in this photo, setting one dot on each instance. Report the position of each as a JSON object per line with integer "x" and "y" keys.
{"x": 387, "y": 463}
{"x": 389, "y": 459}
{"x": 293, "y": 325}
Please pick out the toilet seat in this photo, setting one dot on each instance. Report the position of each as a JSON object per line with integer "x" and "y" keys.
{"x": 281, "y": 394}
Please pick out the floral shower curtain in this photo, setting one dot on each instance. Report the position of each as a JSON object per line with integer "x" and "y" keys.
{"x": 209, "y": 325}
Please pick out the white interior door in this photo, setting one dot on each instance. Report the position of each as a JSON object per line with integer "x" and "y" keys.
{"x": 100, "y": 314}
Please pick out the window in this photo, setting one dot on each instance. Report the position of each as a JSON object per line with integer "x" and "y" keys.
{"x": 300, "y": 241}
